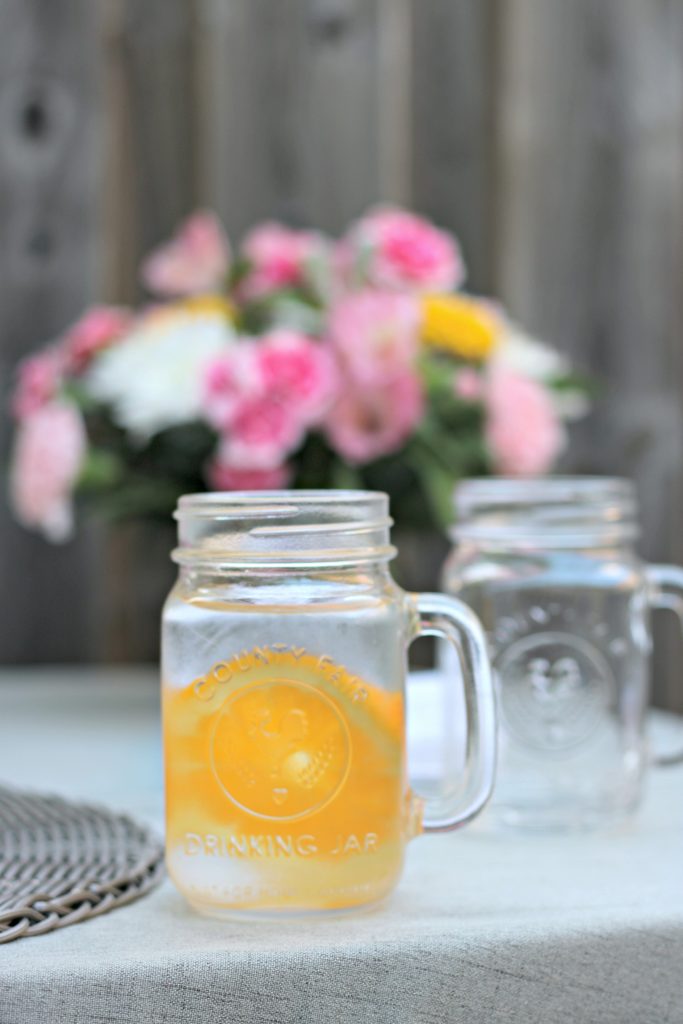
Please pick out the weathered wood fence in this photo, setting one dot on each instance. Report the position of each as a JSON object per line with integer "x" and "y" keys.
{"x": 547, "y": 133}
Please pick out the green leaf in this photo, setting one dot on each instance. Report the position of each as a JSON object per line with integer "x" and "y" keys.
{"x": 438, "y": 484}
{"x": 345, "y": 477}
{"x": 100, "y": 470}
{"x": 139, "y": 497}
{"x": 76, "y": 391}
{"x": 289, "y": 311}
{"x": 320, "y": 279}
{"x": 576, "y": 382}
{"x": 238, "y": 271}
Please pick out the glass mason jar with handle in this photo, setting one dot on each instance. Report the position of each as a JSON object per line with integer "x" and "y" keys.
{"x": 283, "y": 674}
{"x": 550, "y": 568}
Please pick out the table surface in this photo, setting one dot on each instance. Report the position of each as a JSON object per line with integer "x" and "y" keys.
{"x": 522, "y": 929}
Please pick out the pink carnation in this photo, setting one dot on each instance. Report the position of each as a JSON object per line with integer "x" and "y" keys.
{"x": 284, "y": 369}
{"x": 523, "y": 431}
{"x": 196, "y": 260}
{"x": 262, "y": 433}
{"x": 298, "y": 371}
{"x": 408, "y": 252}
{"x": 96, "y": 329}
{"x": 39, "y": 378}
{"x": 376, "y": 334}
{"x": 278, "y": 256}
{"x": 223, "y": 477}
{"x": 48, "y": 453}
{"x": 228, "y": 380}
{"x": 373, "y": 421}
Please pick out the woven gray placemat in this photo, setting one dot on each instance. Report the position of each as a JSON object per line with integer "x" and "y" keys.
{"x": 63, "y": 862}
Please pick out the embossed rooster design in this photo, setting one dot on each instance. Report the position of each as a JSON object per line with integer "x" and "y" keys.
{"x": 274, "y": 740}
{"x": 554, "y": 682}
{"x": 552, "y": 692}
{"x": 291, "y": 755}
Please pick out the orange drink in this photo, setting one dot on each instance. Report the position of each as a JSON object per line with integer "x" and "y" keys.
{"x": 285, "y": 784}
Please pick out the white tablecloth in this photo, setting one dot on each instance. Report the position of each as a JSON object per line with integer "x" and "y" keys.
{"x": 522, "y": 930}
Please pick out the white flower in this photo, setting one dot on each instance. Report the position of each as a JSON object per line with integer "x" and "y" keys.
{"x": 520, "y": 353}
{"x": 152, "y": 379}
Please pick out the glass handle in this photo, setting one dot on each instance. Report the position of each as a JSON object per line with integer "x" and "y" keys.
{"x": 666, "y": 591}
{"x": 451, "y": 620}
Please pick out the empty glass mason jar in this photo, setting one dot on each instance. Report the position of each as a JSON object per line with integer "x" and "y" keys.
{"x": 283, "y": 673}
{"x": 550, "y": 568}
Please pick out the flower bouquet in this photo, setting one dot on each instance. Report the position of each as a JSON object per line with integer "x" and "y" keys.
{"x": 295, "y": 361}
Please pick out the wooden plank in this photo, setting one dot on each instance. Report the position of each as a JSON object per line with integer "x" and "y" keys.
{"x": 395, "y": 101}
{"x": 454, "y": 96}
{"x": 290, "y": 95}
{"x": 139, "y": 571}
{"x": 591, "y": 233}
{"x": 49, "y": 256}
{"x": 150, "y": 119}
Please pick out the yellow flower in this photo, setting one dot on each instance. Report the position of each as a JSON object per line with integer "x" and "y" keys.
{"x": 459, "y": 324}
{"x": 206, "y": 305}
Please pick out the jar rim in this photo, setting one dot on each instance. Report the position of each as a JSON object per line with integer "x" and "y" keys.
{"x": 326, "y": 527}
{"x": 213, "y": 503}
{"x": 503, "y": 489}
{"x": 568, "y": 511}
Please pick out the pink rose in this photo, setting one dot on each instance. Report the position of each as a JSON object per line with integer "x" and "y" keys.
{"x": 49, "y": 448}
{"x": 223, "y": 477}
{"x": 375, "y": 333}
{"x": 39, "y": 379}
{"x": 278, "y": 256}
{"x": 368, "y": 422}
{"x": 196, "y": 260}
{"x": 228, "y": 380}
{"x": 523, "y": 432}
{"x": 298, "y": 371}
{"x": 262, "y": 433}
{"x": 96, "y": 329}
{"x": 405, "y": 251}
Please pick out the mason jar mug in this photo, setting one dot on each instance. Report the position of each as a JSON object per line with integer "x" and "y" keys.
{"x": 551, "y": 569}
{"x": 283, "y": 674}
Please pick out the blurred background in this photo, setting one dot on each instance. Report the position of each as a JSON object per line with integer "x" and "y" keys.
{"x": 547, "y": 134}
